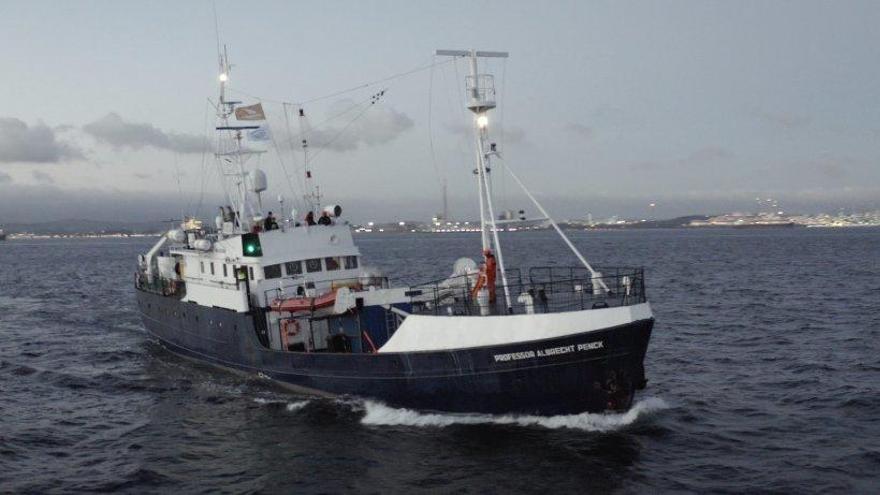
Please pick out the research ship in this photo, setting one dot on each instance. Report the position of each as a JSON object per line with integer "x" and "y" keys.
{"x": 290, "y": 299}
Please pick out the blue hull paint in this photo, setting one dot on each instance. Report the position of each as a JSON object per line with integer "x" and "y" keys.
{"x": 497, "y": 379}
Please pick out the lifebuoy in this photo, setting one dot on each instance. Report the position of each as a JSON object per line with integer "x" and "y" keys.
{"x": 289, "y": 328}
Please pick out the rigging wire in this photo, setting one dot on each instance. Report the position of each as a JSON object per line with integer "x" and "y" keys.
{"x": 501, "y": 106}
{"x": 353, "y": 88}
{"x": 299, "y": 173}
{"x": 461, "y": 103}
{"x": 314, "y": 127}
{"x": 283, "y": 166}
{"x": 430, "y": 126}
{"x": 177, "y": 177}
{"x": 323, "y": 146}
{"x": 203, "y": 165}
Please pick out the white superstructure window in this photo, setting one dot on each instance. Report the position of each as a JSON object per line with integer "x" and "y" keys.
{"x": 351, "y": 262}
{"x": 212, "y": 268}
{"x": 224, "y": 270}
{"x": 293, "y": 268}
{"x": 272, "y": 271}
{"x": 202, "y": 266}
{"x": 313, "y": 265}
{"x": 332, "y": 263}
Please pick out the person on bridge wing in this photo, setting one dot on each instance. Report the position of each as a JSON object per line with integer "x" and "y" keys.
{"x": 325, "y": 219}
{"x": 270, "y": 223}
{"x": 486, "y": 278}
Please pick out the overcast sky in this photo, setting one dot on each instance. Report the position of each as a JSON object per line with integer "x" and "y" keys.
{"x": 605, "y": 107}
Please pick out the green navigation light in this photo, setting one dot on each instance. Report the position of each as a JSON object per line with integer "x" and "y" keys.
{"x": 250, "y": 244}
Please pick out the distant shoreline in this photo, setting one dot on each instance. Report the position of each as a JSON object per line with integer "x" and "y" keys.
{"x": 47, "y": 236}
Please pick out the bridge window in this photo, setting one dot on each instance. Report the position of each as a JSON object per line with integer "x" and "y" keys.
{"x": 293, "y": 268}
{"x": 212, "y": 268}
{"x": 332, "y": 263}
{"x": 251, "y": 272}
{"x": 351, "y": 262}
{"x": 272, "y": 271}
{"x": 313, "y": 265}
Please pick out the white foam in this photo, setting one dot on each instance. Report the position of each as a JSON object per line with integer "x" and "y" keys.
{"x": 380, "y": 414}
{"x": 296, "y": 406}
{"x": 290, "y": 406}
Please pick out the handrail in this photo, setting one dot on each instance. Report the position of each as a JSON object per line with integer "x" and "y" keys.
{"x": 547, "y": 290}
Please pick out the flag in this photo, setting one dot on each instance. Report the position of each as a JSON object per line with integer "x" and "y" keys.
{"x": 253, "y": 112}
{"x": 261, "y": 134}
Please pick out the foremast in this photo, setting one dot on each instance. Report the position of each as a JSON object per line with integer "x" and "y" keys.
{"x": 238, "y": 182}
{"x": 481, "y": 99}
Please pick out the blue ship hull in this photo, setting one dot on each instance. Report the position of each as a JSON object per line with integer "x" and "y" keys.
{"x": 564, "y": 375}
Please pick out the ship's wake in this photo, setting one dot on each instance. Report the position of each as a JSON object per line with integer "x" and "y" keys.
{"x": 377, "y": 413}
{"x": 289, "y": 406}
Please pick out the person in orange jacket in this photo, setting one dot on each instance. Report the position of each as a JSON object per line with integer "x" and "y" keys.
{"x": 487, "y": 275}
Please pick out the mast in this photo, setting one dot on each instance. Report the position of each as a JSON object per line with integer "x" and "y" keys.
{"x": 481, "y": 99}
{"x": 312, "y": 195}
{"x": 232, "y": 156}
{"x": 481, "y": 94}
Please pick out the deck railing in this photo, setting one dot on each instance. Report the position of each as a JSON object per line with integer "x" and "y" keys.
{"x": 159, "y": 285}
{"x": 545, "y": 290}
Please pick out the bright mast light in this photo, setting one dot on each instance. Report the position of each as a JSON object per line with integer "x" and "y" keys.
{"x": 482, "y": 121}
{"x": 224, "y": 77}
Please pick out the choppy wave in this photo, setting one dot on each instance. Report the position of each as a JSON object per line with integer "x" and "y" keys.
{"x": 381, "y": 414}
{"x": 296, "y": 406}
{"x": 290, "y": 406}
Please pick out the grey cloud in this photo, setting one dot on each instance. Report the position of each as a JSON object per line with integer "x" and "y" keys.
{"x": 118, "y": 133}
{"x": 707, "y": 154}
{"x": 5, "y": 178}
{"x": 186, "y": 143}
{"x": 834, "y": 167}
{"x": 142, "y": 176}
{"x": 581, "y": 131}
{"x": 513, "y": 134}
{"x": 378, "y": 125}
{"x": 42, "y": 177}
{"x": 832, "y": 170}
{"x": 786, "y": 120}
{"x": 33, "y": 144}
{"x": 701, "y": 156}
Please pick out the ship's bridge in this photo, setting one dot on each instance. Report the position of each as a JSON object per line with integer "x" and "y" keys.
{"x": 301, "y": 260}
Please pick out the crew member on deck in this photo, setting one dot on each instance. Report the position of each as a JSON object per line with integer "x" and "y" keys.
{"x": 325, "y": 219}
{"x": 270, "y": 223}
{"x": 310, "y": 218}
{"x": 486, "y": 278}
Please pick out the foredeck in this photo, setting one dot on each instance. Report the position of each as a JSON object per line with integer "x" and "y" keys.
{"x": 542, "y": 290}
